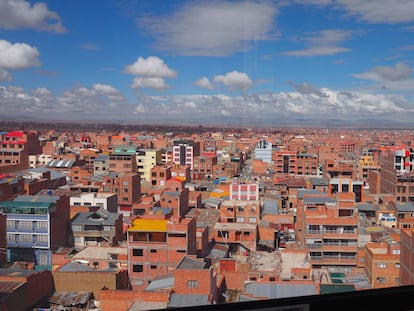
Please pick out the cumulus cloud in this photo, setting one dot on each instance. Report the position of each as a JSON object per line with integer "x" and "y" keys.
{"x": 212, "y": 28}
{"x": 16, "y": 14}
{"x": 323, "y": 43}
{"x": 151, "y": 66}
{"x": 234, "y": 80}
{"x": 153, "y": 83}
{"x": 150, "y": 72}
{"x": 204, "y": 83}
{"x": 305, "y": 103}
{"x": 17, "y": 55}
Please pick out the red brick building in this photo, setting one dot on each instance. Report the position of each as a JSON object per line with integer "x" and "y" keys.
{"x": 156, "y": 246}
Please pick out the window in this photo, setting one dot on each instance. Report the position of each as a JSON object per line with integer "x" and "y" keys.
{"x": 137, "y": 252}
{"x": 381, "y": 265}
{"x": 137, "y": 268}
{"x": 153, "y": 267}
{"x": 153, "y": 251}
{"x": 381, "y": 280}
{"x": 192, "y": 283}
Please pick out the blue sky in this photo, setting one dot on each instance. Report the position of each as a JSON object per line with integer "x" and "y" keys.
{"x": 207, "y": 62}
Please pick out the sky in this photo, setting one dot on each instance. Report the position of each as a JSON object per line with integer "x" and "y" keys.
{"x": 217, "y": 62}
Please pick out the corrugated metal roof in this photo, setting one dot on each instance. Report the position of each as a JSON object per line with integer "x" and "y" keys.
{"x": 318, "y": 200}
{"x": 149, "y": 225}
{"x": 164, "y": 281}
{"x": 302, "y": 192}
{"x": 178, "y": 300}
{"x": 61, "y": 163}
{"x": 69, "y": 299}
{"x": 404, "y": 206}
{"x": 95, "y": 218}
{"x": 191, "y": 264}
{"x": 275, "y": 291}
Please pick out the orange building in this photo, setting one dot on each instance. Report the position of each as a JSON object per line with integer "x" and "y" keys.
{"x": 382, "y": 264}
{"x": 156, "y": 246}
{"x": 329, "y": 229}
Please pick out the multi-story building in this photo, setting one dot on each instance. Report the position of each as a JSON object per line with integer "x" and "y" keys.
{"x": 146, "y": 160}
{"x": 160, "y": 175}
{"x": 156, "y": 246}
{"x": 407, "y": 257}
{"x": 239, "y": 211}
{"x": 405, "y": 214}
{"x": 203, "y": 166}
{"x": 36, "y": 225}
{"x": 184, "y": 151}
{"x": 101, "y": 165}
{"x": 286, "y": 163}
{"x": 397, "y": 175}
{"x": 123, "y": 159}
{"x": 263, "y": 151}
{"x": 329, "y": 229}
{"x": 3, "y": 239}
{"x": 307, "y": 164}
{"x": 127, "y": 186}
{"x": 106, "y": 201}
{"x": 100, "y": 228}
{"x": 244, "y": 190}
{"x": 382, "y": 264}
{"x": 16, "y": 146}
{"x": 176, "y": 199}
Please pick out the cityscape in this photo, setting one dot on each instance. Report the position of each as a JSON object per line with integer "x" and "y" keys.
{"x": 143, "y": 220}
{"x": 188, "y": 154}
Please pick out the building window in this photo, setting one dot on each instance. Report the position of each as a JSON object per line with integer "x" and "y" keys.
{"x": 397, "y": 265}
{"x": 153, "y": 251}
{"x": 381, "y": 279}
{"x": 137, "y": 252}
{"x": 192, "y": 283}
{"x": 137, "y": 268}
{"x": 153, "y": 267}
{"x": 381, "y": 265}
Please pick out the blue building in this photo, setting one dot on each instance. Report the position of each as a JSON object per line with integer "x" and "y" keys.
{"x": 36, "y": 225}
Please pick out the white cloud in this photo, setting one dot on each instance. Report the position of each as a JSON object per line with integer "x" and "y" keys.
{"x": 323, "y": 43}
{"x": 204, "y": 83}
{"x": 105, "y": 89}
{"x": 307, "y": 103}
{"x": 234, "y": 80}
{"x": 391, "y": 78}
{"x": 18, "y": 55}
{"x": 152, "y": 66}
{"x": 41, "y": 91}
{"x": 153, "y": 83}
{"x": 16, "y": 14}
{"x": 379, "y": 11}
{"x": 213, "y": 28}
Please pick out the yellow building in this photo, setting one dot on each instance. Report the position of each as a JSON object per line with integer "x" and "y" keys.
{"x": 146, "y": 160}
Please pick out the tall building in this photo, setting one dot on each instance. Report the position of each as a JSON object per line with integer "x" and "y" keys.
{"x": 36, "y": 225}
{"x": 123, "y": 159}
{"x": 285, "y": 163}
{"x": 146, "y": 160}
{"x": 263, "y": 151}
{"x": 156, "y": 246}
{"x": 184, "y": 152}
{"x": 329, "y": 229}
{"x": 16, "y": 146}
{"x": 397, "y": 175}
